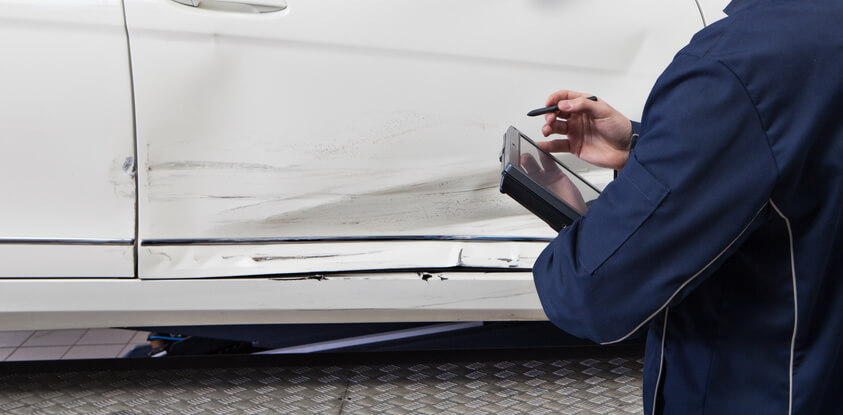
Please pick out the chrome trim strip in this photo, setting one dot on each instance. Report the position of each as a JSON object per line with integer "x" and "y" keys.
{"x": 66, "y": 241}
{"x": 387, "y": 238}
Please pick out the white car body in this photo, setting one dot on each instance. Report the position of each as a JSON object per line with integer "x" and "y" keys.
{"x": 168, "y": 163}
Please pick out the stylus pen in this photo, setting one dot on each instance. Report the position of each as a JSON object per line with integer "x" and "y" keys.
{"x": 552, "y": 108}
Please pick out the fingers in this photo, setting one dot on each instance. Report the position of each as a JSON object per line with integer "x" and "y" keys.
{"x": 572, "y": 102}
{"x": 555, "y": 127}
{"x": 562, "y": 95}
{"x": 557, "y": 116}
{"x": 583, "y": 105}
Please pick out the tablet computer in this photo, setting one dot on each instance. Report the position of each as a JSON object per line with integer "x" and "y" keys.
{"x": 541, "y": 183}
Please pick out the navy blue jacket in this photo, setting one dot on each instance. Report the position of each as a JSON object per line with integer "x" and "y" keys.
{"x": 724, "y": 231}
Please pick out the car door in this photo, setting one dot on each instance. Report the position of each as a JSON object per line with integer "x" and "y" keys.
{"x": 307, "y": 136}
{"x": 66, "y": 128}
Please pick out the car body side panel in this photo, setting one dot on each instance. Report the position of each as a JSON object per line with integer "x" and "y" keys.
{"x": 361, "y": 135}
{"x": 66, "y": 132}
{"x": 336, "y": 119}
{"x": 392, "y": 297}
{"x": 182, "y": 261}
{"x": 67, "y": 259}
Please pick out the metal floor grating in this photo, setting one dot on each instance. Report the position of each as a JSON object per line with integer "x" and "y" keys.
{"x": 549, "y": 386}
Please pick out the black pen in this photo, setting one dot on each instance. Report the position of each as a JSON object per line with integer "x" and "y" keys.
{"x": 552, "y": 108}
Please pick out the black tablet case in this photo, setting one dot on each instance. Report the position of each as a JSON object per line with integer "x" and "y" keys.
{"x": 527, "y": 192}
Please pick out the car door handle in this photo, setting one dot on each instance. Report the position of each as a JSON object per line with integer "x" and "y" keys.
{"x": 244, "y": 6}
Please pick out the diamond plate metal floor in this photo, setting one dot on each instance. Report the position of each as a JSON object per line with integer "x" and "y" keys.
{"x": 550, "y": 386}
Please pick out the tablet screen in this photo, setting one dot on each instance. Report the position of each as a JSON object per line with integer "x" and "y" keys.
{"x": 549, "y": 173}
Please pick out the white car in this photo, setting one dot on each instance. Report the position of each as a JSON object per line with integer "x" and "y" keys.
{"x": 196, "y": 162}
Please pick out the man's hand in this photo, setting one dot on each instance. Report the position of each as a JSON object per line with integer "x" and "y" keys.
{"x": 597, "y": 133}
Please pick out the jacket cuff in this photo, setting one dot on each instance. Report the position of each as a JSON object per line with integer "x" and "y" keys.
{"x": 636, "y": 127}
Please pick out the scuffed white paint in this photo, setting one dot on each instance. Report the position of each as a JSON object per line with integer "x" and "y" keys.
{"x": 329, "y": 119}
{"x": 186, "y": 261}
{"x": 368, "y": 118}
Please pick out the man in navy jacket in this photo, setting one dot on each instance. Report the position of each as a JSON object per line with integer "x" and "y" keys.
{"x": 724, "y": 229}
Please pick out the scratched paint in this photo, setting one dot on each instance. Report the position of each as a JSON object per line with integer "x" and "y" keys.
{"x": 329, "y": 257}
{"x": 304, "y": 125}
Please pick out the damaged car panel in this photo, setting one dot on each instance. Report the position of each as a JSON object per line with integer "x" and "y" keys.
{"x": 184, "y": 163}
{"x": 333, "y": 119}
{"x": 184, "y": 259}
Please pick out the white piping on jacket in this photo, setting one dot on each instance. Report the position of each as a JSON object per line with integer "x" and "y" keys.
{"x": 661, "y": 361}
{"x": 688, "y": 281}
{"x": 795, "y": 306}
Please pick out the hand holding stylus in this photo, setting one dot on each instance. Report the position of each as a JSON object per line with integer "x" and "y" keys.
{"x": 552, "y": 108}
{"x": 597, "y": 133}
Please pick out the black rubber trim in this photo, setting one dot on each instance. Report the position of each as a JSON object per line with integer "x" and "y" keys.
{"x": 116, "y": 242}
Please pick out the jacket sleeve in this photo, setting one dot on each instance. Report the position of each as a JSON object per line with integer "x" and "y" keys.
{"x": 700, "y": 175}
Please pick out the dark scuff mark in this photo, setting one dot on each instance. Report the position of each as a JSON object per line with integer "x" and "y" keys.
{"x": 505, "y": 259}
{"x": 129, "y": 166}
{"x": 317, "y": 277}
{"x": 426, "y": 276}
{"x": 293, "y": 257}
{"x": 225, "y": 197}
{"x": 473, "y": 189}
{"x": 275, "y": 199}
